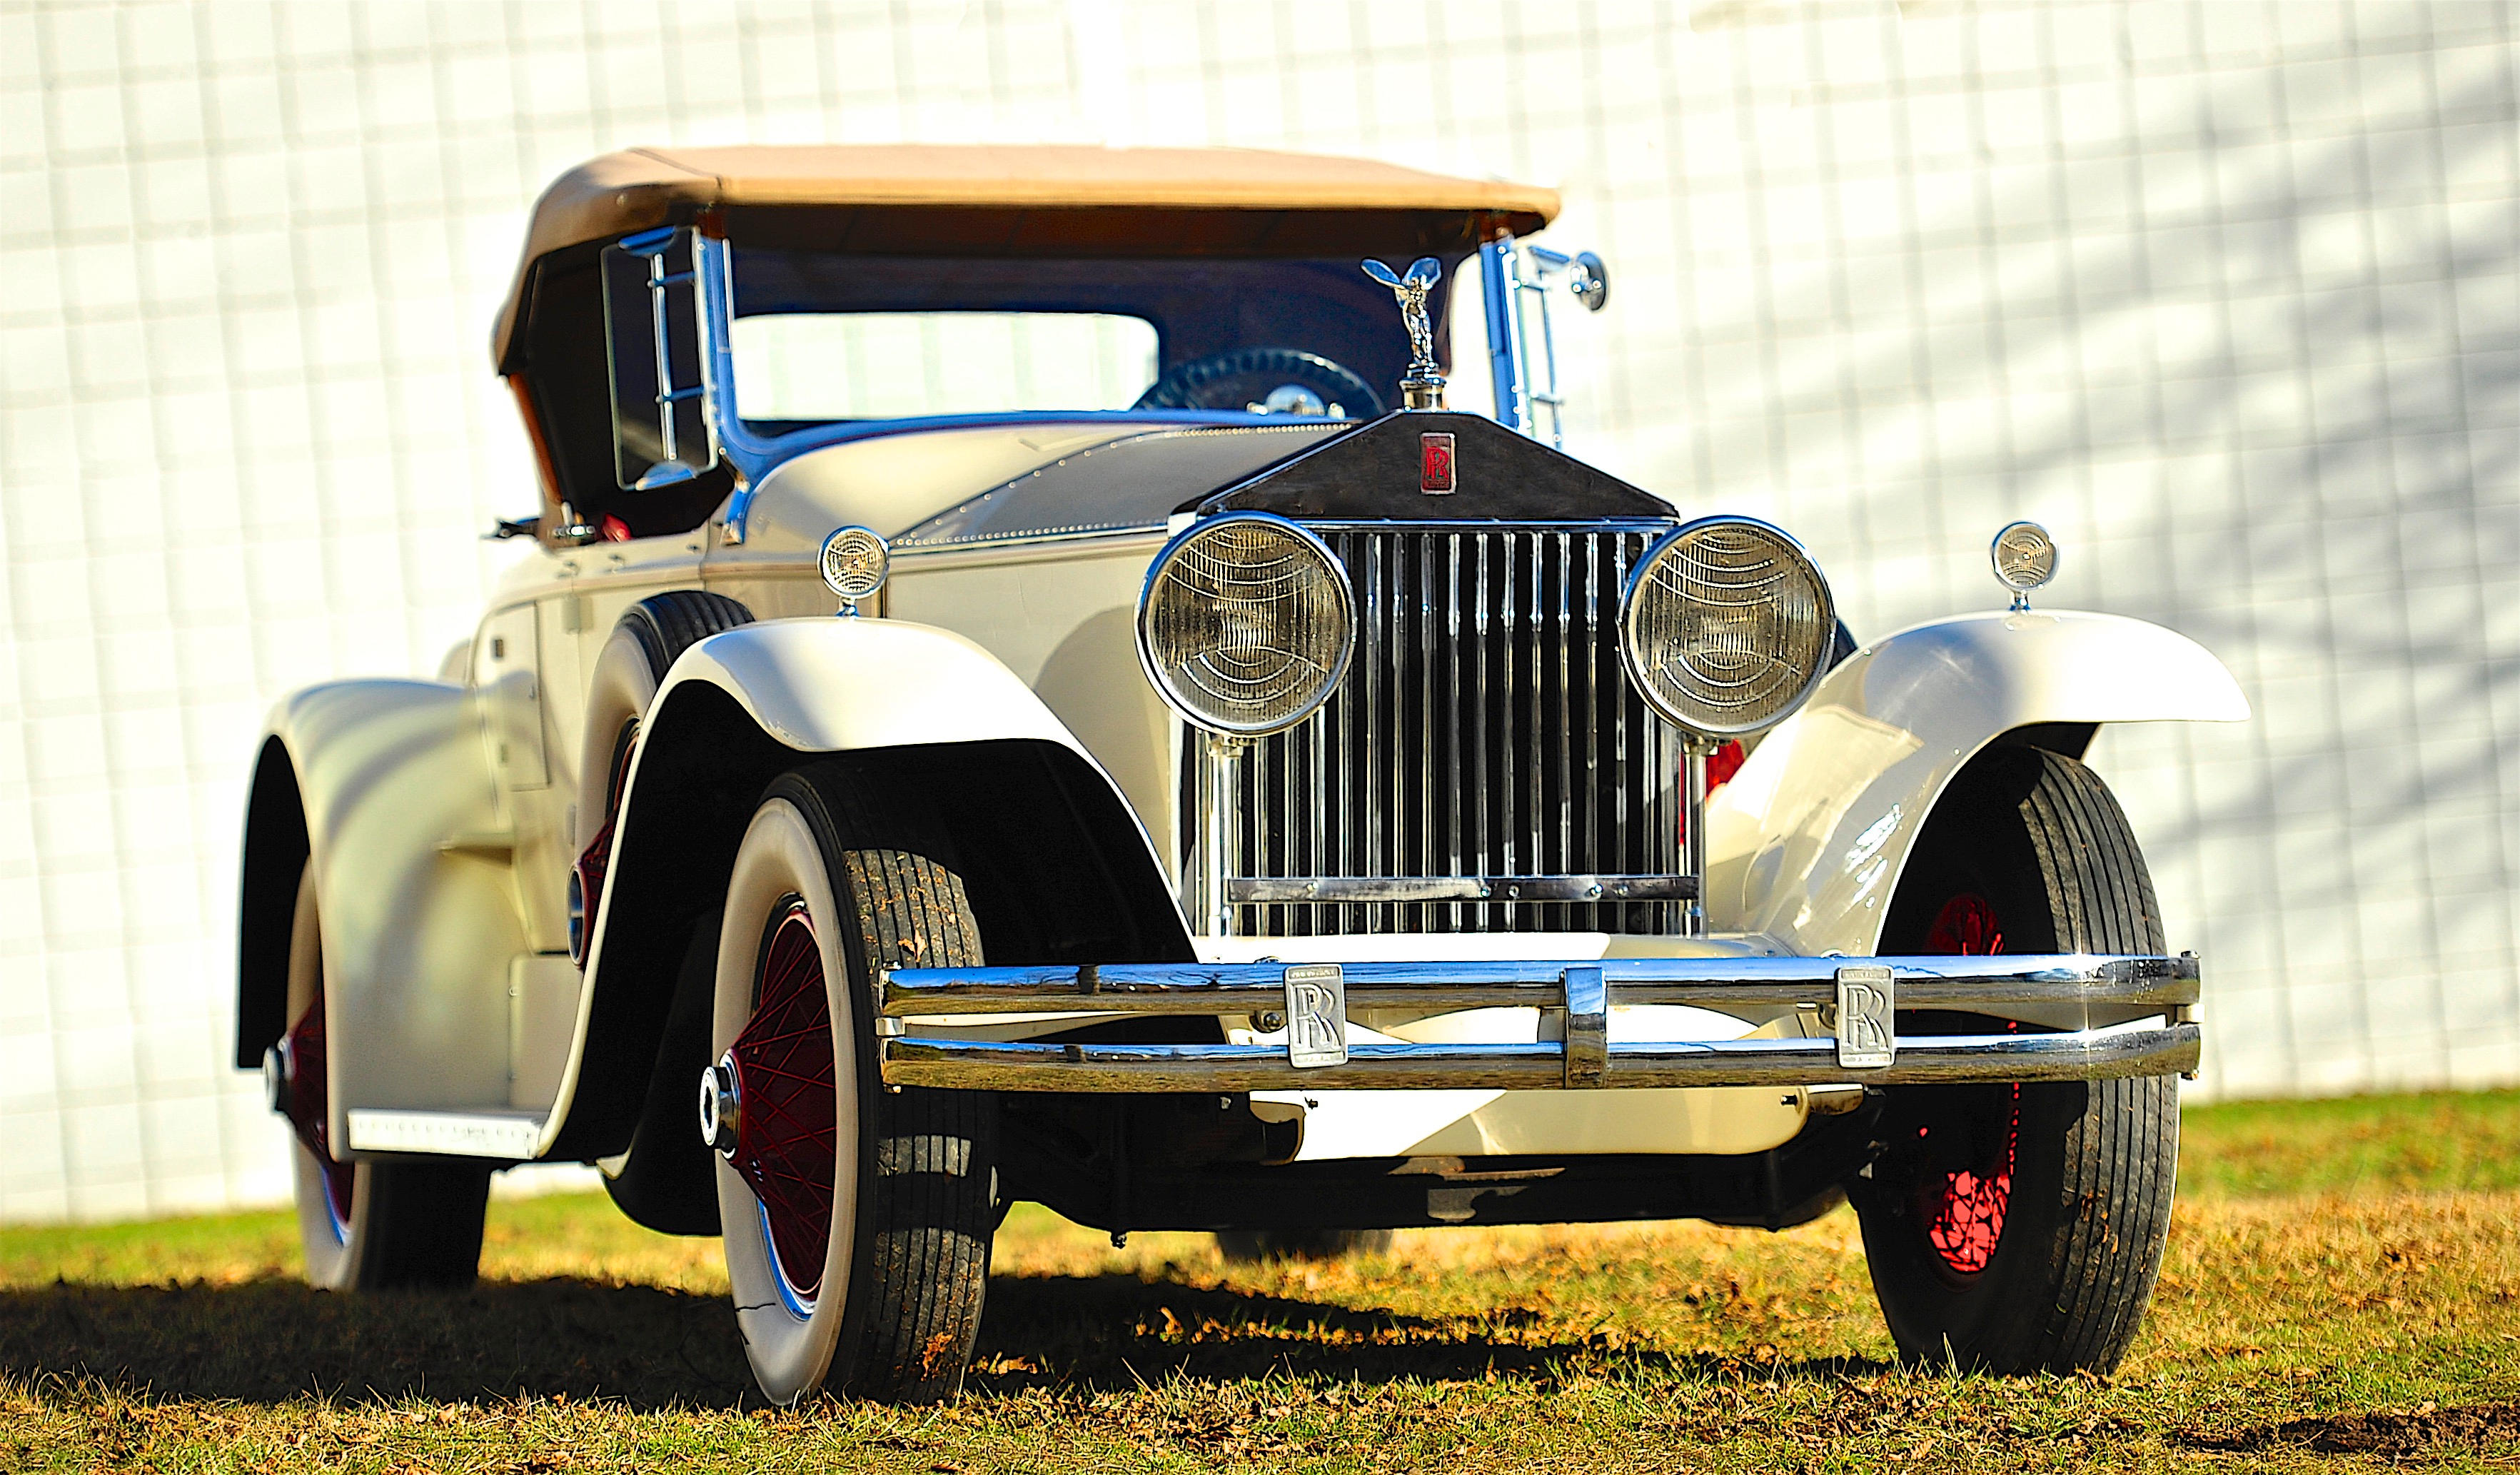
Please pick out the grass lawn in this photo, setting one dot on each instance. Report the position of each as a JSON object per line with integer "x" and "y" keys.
{"x": 2342, "y": 1290}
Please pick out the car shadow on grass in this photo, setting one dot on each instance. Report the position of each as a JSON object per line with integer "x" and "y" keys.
{"x": 648, "y": 1348}
{"x": 271, "y": 1340}
{"x": 1118, "y": 1331}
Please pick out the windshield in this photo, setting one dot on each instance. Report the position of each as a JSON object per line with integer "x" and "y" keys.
{"x": 813, "y": 367}
{"x": 825, "y": 335}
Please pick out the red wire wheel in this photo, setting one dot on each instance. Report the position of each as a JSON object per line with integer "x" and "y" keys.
{"x": 785, "y": 1131}
{"x": 1964, "y": 1210}
{"x": 310, "y": 1111}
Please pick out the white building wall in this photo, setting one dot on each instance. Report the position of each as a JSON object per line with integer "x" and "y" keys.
{"x": 2229, "y": 294}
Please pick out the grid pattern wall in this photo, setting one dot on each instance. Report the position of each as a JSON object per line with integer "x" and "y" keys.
{"x": 2227, "y": 293}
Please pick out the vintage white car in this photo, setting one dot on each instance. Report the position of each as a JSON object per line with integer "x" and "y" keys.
{"x": 1019, "y": 690}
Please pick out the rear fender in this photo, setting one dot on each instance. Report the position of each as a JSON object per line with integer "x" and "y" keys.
{"x": 1806, "y": 842}
{"x": 1056, "y": 864}
{"x": 384, "y": 789}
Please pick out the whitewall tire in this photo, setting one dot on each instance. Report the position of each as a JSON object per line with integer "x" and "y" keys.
{"x": 857, "y": 1221}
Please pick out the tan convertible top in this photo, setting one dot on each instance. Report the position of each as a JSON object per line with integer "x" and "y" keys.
{"x": 945, "y": 197}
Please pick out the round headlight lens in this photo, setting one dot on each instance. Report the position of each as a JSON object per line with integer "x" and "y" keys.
{"x": 1725, "y": 626}
{"x": 1246, "y": 624}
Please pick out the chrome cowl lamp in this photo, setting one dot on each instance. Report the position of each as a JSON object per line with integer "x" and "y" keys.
{"x": 855, "y": 561}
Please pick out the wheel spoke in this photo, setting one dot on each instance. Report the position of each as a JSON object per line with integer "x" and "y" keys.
{"x": 311, "y": 1108}
{"x": 787, "y": 1135}
{"x": 1965, "y": 1210}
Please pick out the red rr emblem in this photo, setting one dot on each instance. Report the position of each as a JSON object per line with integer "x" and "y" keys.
{"x": 1435, "y": 463}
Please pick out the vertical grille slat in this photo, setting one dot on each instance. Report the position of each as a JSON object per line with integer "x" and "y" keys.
{"x": 1436, "y": 816}
{"x": 1485, "y": 728}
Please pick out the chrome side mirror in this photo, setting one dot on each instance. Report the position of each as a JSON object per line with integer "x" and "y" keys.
{"x": 1589, "y": 281}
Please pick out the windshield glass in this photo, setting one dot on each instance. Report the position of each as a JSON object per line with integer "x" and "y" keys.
{"x": 824, "y": 334}
{"x": 896, "y": 365}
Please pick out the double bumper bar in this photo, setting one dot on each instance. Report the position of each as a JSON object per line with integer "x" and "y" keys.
{"x": 1858, "y": 999}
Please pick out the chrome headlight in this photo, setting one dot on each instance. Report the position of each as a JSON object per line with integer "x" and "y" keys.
{"x": 1246, "y": 624}
{"x": 1725, "y": 626}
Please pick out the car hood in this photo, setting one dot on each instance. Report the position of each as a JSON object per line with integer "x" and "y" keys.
{"x": 971, "y": 486}
{"x": 979, "y": 484}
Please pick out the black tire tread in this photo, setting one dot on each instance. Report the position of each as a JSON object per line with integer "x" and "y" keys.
{"x": 2104, "y": 902}
{"x": 928, "y": 1188}
{"x": 668, "y": 624}
{"x": 2115, "y": 1142}
{"x": 934, "y": 1214}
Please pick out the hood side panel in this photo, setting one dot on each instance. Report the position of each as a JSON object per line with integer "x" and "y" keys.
{"x": 1131, "y": 483}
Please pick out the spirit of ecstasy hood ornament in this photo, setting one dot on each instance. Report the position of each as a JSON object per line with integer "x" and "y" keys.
{"x": 1422, "y": 388}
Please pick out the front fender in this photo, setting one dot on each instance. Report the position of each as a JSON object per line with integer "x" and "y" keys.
{"x": 1806, "y": 842}
{"x": 834, "y": 685}
{"x": 419, "y": 917}
{"x": 1057, "y": 863}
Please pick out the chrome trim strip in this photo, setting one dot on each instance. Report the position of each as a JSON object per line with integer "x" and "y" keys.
{"x": 1281, "y": 890}
{"x": 503, "y": 1135}
{"x": 1068, "y": 532}
{"x": 1926, "y": 982}
{"x": 2081, "y": 1054}
{"x": 1031, "y": 549}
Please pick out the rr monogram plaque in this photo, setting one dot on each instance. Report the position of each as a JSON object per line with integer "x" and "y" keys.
{"x": 1866, "y": 996}
{"x": 1316, "y": 1016}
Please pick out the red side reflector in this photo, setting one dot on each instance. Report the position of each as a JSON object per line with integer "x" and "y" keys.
{"x": 1722, "y": 765}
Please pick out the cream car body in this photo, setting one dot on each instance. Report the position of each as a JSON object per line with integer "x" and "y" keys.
{"x": 1037, "y": 641}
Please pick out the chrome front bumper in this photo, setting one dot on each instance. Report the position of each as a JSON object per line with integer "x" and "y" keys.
{"x": 2152, "y": 995}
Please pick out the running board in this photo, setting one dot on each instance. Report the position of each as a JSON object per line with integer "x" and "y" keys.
{"x": 508, "y": 1136}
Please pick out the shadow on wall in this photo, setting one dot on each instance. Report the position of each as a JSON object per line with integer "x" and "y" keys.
{"x": 2265, "y": 381}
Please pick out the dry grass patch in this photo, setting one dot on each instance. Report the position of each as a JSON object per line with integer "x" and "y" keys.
{"x": 2340, "y": 1292}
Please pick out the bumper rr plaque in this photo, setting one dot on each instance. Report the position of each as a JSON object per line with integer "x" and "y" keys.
{"x": 1316, "y": 1016}
{"x": 1865, "y": 1037}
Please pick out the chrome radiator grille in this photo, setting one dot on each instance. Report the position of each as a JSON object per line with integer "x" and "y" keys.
{"x": 1485, "y": 728}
